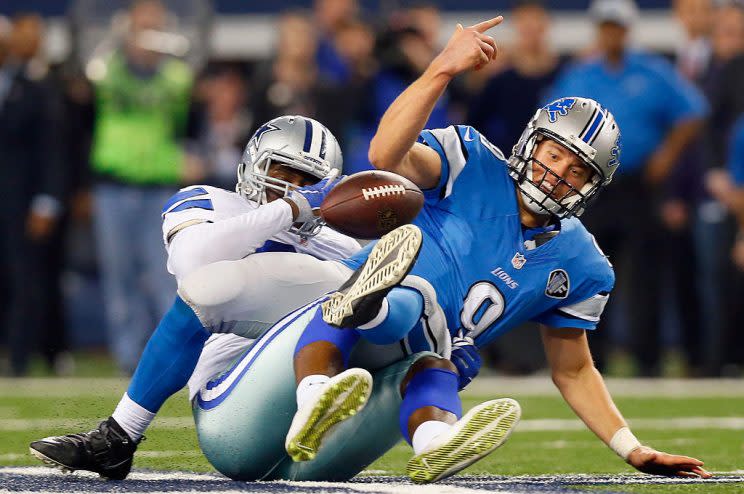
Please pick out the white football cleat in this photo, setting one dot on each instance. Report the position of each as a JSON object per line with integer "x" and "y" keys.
{"x": 483, "y": 429}
{"x": 342, "y": 396}
{"x": 359, "y": 300}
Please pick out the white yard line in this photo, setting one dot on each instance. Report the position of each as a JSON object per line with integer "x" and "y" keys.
{"x": 487, "y": 385}
{"x": 726, "y": 423}
{"x": 459, "y": 485}
{"x": 530, "y": 425}
{"x": 497, "y": 386}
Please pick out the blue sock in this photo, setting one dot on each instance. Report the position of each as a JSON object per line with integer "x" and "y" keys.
{"x": 319, "y": 330}
{"x": 169, "y": 358}
{"x": 429, "y": 388}
{"x": 405, "y": 306}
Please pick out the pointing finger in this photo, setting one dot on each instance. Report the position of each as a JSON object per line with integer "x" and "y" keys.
{"x": 484, "y": 26}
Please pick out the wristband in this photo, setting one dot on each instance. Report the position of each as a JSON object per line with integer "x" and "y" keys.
{"x": 623, "y": 442}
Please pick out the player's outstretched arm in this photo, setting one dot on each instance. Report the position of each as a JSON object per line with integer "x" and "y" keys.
{"x": 394, "y": 145}
{"x": 583, "y": 388}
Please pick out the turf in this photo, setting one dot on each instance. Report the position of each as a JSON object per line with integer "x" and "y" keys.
{"x": 74, "y": 405}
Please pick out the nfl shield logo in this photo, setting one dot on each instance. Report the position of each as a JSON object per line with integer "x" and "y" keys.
{"x": 518, "y": 260}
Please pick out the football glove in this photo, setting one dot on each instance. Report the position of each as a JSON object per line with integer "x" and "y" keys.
{"x": 309, "y": 198}
{"x": 466, "y": 358}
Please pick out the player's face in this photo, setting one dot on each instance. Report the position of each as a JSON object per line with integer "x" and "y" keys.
{"x": 295, "y": 177}
{"x": 563, "y": 172}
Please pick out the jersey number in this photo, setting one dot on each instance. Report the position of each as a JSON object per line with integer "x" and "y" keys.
{"x": 483, "y": 306}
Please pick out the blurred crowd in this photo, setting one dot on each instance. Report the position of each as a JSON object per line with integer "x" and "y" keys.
{"x": 87, "y": 158}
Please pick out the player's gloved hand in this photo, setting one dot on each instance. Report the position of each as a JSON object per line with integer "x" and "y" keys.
{"x": 466, "y": 358}
{"x": 309, "y": 198}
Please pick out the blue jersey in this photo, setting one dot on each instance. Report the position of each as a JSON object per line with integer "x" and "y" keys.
{"x": 474, "y": 253}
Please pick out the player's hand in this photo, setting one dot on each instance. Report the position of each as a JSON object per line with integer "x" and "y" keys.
{"x": 468, "y": 48}
{"x": 309, "y": 198}
{"x": 466, "y": 358}
{"x": 648, "y": 460}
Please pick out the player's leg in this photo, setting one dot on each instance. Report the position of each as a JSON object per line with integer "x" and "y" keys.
{"x": 384, "y": 312}
{"x": 165, "y": 366}
{"x": 326, "y": 392}
{"x": 171, "y": 355}
{"x": 430, "y": 420}
{"x": 242, "y": 415}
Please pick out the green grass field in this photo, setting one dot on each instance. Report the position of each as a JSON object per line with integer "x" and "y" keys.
{"x": 34, "y": 408}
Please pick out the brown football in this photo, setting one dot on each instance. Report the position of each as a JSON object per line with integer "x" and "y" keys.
{"x": 369, "y": 204}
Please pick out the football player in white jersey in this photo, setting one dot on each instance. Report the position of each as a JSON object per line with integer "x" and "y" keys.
{"x": 242, "y": 260}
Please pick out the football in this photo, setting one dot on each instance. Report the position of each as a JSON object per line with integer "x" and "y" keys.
{"x": 369, "y": 204}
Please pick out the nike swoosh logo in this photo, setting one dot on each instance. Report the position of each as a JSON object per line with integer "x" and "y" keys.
{"x": 468, "y": 137}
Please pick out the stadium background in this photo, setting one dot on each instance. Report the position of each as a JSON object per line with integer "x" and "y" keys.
{"x": 229, "y": 44}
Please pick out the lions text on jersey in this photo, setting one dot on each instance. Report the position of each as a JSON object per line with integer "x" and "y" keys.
{"x": 474, "y": 255}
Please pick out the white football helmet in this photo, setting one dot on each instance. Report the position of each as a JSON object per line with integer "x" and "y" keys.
{"x": 584, "y": 127}
{"x": 293, "y": 141}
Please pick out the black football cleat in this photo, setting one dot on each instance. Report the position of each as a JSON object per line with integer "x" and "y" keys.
{"x": 107, "y": 451}
{"x": 358, "y": 300}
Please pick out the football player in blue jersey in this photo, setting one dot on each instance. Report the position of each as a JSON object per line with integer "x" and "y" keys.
{"x": 497, "y": 243}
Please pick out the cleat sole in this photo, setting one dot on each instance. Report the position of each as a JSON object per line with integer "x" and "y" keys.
{"x": 49, "y": 462}
{"x": 485, "y": 430}
{"x": 341, "y": 401}
{"x": 374, "y": 275}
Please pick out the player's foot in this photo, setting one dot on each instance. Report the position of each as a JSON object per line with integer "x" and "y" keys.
{"x": 341, "y": 397}
{"x": 483, "y": 429}
{"x": 359, "y": 300}
{"x": 107, "y": 451}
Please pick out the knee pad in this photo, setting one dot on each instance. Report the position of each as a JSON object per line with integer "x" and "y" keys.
{"x": 430, "y": 388}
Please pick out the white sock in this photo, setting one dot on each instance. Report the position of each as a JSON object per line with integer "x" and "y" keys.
{"x": 377, "y": 320}
{"x": 132, "y": 417}
{"x": 426, "y": 432}
{"x": 309, "y": 387}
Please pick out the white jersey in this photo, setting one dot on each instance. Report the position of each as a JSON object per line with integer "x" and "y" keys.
{"x": 210, "y": 234}
{"x": 203, "y": 225}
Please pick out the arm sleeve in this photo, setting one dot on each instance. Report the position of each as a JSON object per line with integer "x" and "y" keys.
{"x": 449, "y": 145}
{"x": 582, "y": 315}
{"x": 327, "y": 245}
{"x": 199, "y": 241}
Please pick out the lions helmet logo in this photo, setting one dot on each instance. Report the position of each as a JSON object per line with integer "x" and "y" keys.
{"x": 559, "y": 108}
